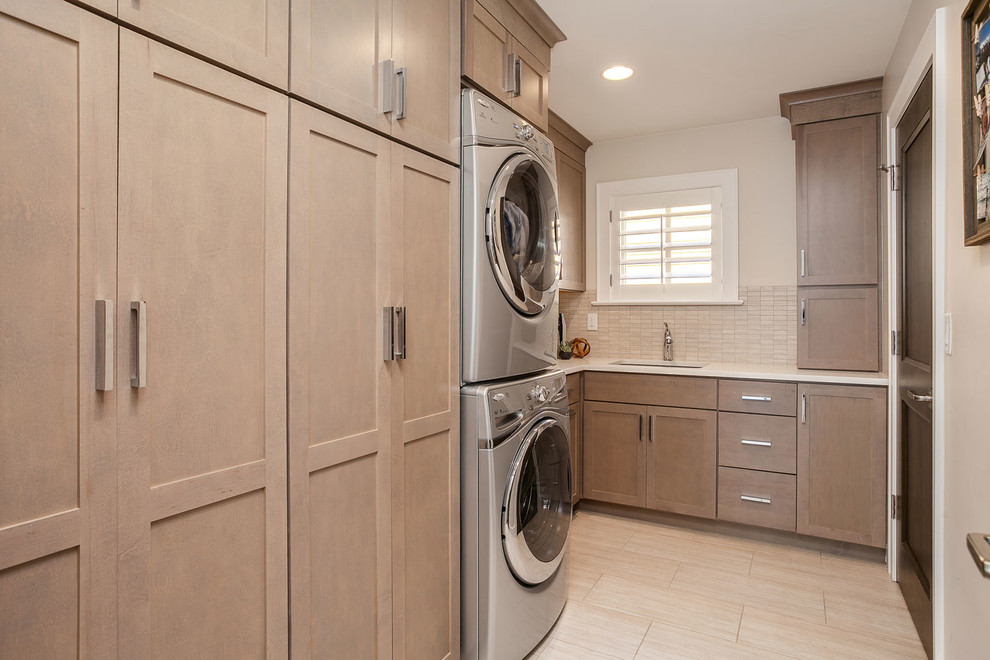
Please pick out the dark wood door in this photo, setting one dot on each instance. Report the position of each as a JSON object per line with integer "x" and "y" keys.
{"x": 681, "y": 461}
{"x": 615, "y": 453}
{"x": 914, "y": 380}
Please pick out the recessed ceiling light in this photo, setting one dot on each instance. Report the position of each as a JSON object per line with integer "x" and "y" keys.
{"x": 617, "y": 73}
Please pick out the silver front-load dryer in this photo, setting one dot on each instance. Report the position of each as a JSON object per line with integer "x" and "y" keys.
{"x": 509, "y": 244}
{"x": 516, "y": 495}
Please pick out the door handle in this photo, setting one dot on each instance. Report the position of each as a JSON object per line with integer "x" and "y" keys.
{"x": 401, "y": 77}
{"x": 750, "y": 397}
{"x": 753, "y": 498}
{"x": 104, "y": 345}
{"x": 923, "y": 398}
{"x": 387, "y": 75}
{"x": 517, "y": 73}
{"x": 756, "y": 443}
{"x": 804, "y": 263}
{"x": 804, "y": 312}
{"x": 401, "y": 351}
{"x": 651, "y": 428}
{"x": 139, "y": 316}
{"x": 804, "y": 408}
{"x": 979, "y": 547}
{"x": 388, "y": 334}
{"x": 510, "y": 74}
{"x": 641, "y": 427}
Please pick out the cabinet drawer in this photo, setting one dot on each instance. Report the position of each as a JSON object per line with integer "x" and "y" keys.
{"x": 573, "y": 388}
{"x": 756, "y": 396}
{"x": 646, "y": 389}
{"x": 757, "y": 442}
{"x": 758, "y": 498}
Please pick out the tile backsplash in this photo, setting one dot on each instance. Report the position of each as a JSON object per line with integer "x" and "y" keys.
{"x": 763, "y": 330}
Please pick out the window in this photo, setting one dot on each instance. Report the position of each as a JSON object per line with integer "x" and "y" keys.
{"x": 668, "y": 240}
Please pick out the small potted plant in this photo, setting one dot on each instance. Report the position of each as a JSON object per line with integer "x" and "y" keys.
{"x": 564, "y": 350}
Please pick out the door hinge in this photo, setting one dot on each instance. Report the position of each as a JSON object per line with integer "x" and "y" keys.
{"x": 895, "y": 507}
{"x": 895, "y": 342}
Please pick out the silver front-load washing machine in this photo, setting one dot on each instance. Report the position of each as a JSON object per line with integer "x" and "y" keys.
{"x": 515, "y": 514}
{"x": 509, "y": 244}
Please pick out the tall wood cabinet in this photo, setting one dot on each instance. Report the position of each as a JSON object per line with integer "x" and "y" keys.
{"x": 569, "y": 147}
{"x": 837, "y": 135}
{"x": 506, "y": 53}
{"x": 392, "y": 65}
{"x": 58, "y": 115}
{"x": 374, "y": 453}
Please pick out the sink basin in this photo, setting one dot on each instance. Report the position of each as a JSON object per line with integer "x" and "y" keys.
{"x": 661, "y": 363}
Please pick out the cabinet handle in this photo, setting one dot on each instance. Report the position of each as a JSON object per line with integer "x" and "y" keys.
{"x": 804, "y": 312}
{"x": 804, "y": 408}
{"x": 388, "y": 334}
{"x": 753, "y": 498}
{"x": 401, "y": 77}
{"x": 401, "y": 352}
{"x": 756, "y": 443}
{"x": 510, "y": 74}
{"x": 804, "y": 264}
{"x": 651, "y": 428}
{"x": 753, "y": 397}
{"x": 104, "y": 345}
{"x": 387, "y": 77}
{"x": 517, "y": 73}
{"x": 923, "y": 398}
{"x": 139, "y": 316}
{"x": 641, "y": 427}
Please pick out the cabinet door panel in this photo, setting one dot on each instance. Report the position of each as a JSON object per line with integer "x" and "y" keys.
{"x": 337, "y": 50}
{"x": 58, "y": 115}
{"x": 534, "y": 83}
{"x": 202, "y": 242}
{"x": 842, "y": 465}
{"x": 425, "y": 458}
{"x": 841, "y": 328}
{"x": 486, "y": 44}
{"x": 426, "y": 41}
{"x": 251, "y": 36}
{"x": 338, "y": 427}
{"x": 577, "y": 449}
{"x": 571, "y": 204}
{"x": 681, "y": 461}
{"x": 837, "y": 201}
{"x": 615, "y": 453}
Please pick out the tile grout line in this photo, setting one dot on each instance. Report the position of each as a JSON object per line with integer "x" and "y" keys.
{"x": 739, "y": 627}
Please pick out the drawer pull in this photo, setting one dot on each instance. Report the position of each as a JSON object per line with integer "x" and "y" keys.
{"x": 756, "y": 443}
{"x": 752, "y": 397}
{"x": 753, "y": 498}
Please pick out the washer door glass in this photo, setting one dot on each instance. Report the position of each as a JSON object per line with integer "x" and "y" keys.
{"x": 522, "y": 233}
{"x": 536, "y": 514}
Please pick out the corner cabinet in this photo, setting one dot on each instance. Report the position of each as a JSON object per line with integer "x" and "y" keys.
{"x": 375, "y": 453}
{"x": 837, "y": 134}
{"x": 391, "y": 65}
{"x": 842, "y": 463}
{"x": 506, "y": 54}
{"x": 570, "y": 147}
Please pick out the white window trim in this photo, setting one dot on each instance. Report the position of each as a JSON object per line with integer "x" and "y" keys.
{"x": 726, "y": 180}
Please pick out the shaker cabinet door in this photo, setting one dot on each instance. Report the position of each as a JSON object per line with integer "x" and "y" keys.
{"x": 615, "y": 453}
{"x": 681, "y": 461}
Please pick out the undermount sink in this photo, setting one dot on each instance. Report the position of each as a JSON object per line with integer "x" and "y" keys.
{"x": 662, "y": 363}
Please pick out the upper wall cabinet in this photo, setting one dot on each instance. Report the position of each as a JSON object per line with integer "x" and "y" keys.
{"x": 506, "y": 50}
{"x": 249, "y": 36}
{"x": 392, "y": 65}
{"x": 570, "y": 147}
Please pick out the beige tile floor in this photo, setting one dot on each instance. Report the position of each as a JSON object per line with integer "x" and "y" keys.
{"x": 649, "y": 591}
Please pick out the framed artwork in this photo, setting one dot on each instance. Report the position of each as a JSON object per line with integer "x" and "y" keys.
{"x": 976, "y": 121}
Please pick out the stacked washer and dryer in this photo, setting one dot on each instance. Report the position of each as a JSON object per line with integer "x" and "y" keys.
{"x": 515, "y": 462}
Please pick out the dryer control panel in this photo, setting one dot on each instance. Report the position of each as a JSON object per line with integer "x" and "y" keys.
{"x": 485, "y": 121}
{"x": 522, "y": 397}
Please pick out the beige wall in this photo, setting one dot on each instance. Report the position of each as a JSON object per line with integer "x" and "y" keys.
{"x": 967, "y": 371}
{"x": 762, "y": 151}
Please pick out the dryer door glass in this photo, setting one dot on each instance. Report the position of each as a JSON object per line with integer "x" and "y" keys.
{"x": 521, "y": 227}
{"x": 537, "y": 509}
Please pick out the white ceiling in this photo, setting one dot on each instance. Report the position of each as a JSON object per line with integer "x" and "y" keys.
{"x": 705, "y": 62}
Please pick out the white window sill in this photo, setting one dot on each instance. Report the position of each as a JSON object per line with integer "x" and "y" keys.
{"x": 666, "y": 303}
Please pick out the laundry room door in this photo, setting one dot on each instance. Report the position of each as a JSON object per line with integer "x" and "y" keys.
{"x": 521, "y": 227}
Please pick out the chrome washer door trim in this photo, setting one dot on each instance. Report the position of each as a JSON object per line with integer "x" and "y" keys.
{"x": 533, "y": 301}
{"x": 526, "y": 567}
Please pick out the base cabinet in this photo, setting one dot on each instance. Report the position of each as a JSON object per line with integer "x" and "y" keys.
{"x": 615, "y": 453}
{"x": 681, "y": 457}
{"x": 577, "y": 448}
{"x": 842, "y": 463}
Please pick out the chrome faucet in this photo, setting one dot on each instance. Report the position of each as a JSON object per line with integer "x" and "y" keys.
{"x": 668, "y": 344}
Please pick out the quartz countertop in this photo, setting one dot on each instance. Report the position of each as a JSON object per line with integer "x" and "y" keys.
{"x": 788, "y": 372}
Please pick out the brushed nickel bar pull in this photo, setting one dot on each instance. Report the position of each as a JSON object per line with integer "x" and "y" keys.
{"x": 401, "y": 77}
{"x": 804, "y": 263}
{"x": 923, "y": 398}
{"x": 387, "y": 77}
{"x": 401, "y": 352}
{"x": 139, "y": 315}
{"x": 104, "y": 345}
{"x": 511, "y": 80}
{"x": 756, "y": 443}
{"x": 979, "y": 548}
{"x": 753, "y": 498}
{"x": 517, "y": 72}
{"x": 388, "y": 334}
{"x": 751, "y": 397}
{"x": 804, "y": 408}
